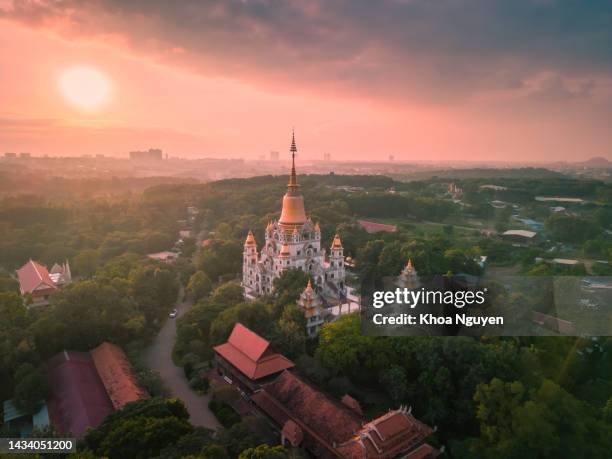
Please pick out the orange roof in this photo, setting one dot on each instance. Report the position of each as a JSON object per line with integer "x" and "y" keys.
{"x": 251, "y": 354}
{"x": 292, "y": 432}
{"x": 116, "y": 374}
{"x": 372, "y": 227}
{"x": 333, "y": 421}
{"x": 34, "y": 276}
{"x": 389, "y": 435}
{"x": 424, "y": 451}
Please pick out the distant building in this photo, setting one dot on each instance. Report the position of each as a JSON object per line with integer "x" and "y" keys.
{"x": 493, "y": 187}
{"x": 563, "y": 327}
{"x": 372, "y": 227}
{"x": 61, "y": 274}
{"x": 520, "y": 236}
{"x": 152, "y": 154}
{"x": 10, "y": 155}
{"x": 166, "y": 256}
{"x": 25, "y": 155}
{"x": 36, "y": 281}
{"x": 559, "y": 199}
{"x": 312, "y": 306}
{"x": 247, "y": 360}
{"x": 85, "y": 387}
{"x": 564, "y": 262}
{"x": 326, "y": 428}
{"x": 184, "y": 234}
{"x": 391, "y": 158}
{"x": 454, "y": 190}
{"x": 326, "y": 156}
{"x": 499, "y": 204}
{"x": 274, "y": 155}
{"x": 24, "y": 423}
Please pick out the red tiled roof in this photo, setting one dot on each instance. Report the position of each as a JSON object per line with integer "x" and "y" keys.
{"x": 385, "y": 437}
{"x": 424, "y": 451}
{"x": 330, "y": 429}
{"x": 249, "y": 342}
{"x": 331, "y": 420}
{"x": 251, "y": 354}
{"x": 34, "y": 276}
{"x": 78, "y": 399}
{"x": 292, "y": 432}
{"x": 372, "y": 227}
{"x": 116, "y": 374}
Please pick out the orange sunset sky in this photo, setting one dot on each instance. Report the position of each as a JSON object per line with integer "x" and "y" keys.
{"x": 523, "y": 80}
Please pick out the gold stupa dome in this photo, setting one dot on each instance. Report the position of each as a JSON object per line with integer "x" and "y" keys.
{"x": 293, "y": 212}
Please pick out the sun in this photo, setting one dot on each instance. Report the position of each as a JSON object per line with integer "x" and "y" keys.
{"x": 85, "y": 87}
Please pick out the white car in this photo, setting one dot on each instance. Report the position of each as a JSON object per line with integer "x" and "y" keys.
{"x": 173, "y": 314}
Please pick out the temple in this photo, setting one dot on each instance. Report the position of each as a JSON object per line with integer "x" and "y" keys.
{"x": 309, "y": 419}
{"x": 38, "y": 284}
{"x": 293, "y": 242}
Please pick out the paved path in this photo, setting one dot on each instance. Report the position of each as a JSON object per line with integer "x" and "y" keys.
{"x": 158, "y": 357}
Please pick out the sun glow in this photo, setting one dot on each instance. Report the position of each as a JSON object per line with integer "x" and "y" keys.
{"x": 85, "y": 87}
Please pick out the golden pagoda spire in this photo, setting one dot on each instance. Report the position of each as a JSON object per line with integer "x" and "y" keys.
{"x": 293, "y": 202}
{"x": 293, "y": 177}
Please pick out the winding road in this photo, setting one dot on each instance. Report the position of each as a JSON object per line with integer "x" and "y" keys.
{"x": 158, "y": 357}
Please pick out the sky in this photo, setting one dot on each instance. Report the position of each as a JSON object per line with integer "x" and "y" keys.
{"x": 445, "y": 80}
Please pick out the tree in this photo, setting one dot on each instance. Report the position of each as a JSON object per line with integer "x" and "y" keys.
{"x": 395, "y": 383}
{"x": 86, "y": 262}
{"x": 140, "y": 429}
{"x": 254, "y": 315}
{"x": 199, "y": 285}
{"x": 220, "y": 258}
{"x": 344, "y": 350}
{"x": 83, "y": 315}
{"x": 291, "y": 331}
{"x": 264, "y": 452}
{"x": 142, "y": 437}
{"x": 288, "y": 287}
{"x": 238, "y": 438}
{"x": 30, "y": 388}
{"x": 516, "y": 424}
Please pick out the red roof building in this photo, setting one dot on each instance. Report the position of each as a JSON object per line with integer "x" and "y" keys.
{"x": 372, "y": 227}
{"x": 88, "y": 386}
{"x": 78, "y": 398}
{"x": 34, "y": 280}
{"x": 329, "y": 429}
{"x": 248, "y": 358}
{"x": 115, "y": 371}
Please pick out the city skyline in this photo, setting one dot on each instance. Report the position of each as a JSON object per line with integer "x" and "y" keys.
{"x": 473, "y": 81}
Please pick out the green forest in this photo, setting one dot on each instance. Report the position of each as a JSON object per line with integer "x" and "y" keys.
{"x": 538, "y": 397}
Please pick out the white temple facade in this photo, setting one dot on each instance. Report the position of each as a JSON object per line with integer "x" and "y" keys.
{"x": 293, "y": 242}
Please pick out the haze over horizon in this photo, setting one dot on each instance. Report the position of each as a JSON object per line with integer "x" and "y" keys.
{"x": 479, "y": 80}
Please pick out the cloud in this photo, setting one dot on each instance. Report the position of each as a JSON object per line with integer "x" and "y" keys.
{"x": 410, "y": 50}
